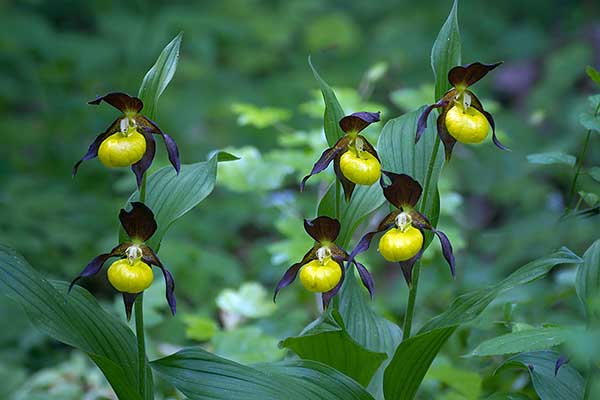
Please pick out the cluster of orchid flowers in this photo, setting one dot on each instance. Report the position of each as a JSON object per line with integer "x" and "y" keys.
{"x": 356, "y": 162}
{"x": 128, "y": 142}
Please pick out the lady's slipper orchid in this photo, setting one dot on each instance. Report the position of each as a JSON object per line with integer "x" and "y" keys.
{"x": 131, "y": 273}
{"x": 403, "y": 241}
{"x": 462, "y": 118}
{"x": 321, "y": 269}
{"x": 128, "y": 141}
{"x": 355, "y": 161}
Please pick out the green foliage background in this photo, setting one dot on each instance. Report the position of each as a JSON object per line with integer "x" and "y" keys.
{"x": 243, "y": 84}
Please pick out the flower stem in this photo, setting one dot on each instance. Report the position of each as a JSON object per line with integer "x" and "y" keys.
{"x": 580, "y": 160}
{"x": 141, "y": 343}
{"x": 139, "y": 321}
{"x": 412, "y": 293}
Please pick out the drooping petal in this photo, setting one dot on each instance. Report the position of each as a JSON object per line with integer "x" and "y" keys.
{"x": 150, "y": 257}
{"x": 290, "y": 275}
{"x": 365, "y": 277}
{"x": 562, "y": 360}
{"x": 422, "y": 122}
{"x": 170, "y": 143}
{"x": 128, "y": 301}
{"x": 347, "y": 184}
{"x": 326, "y": 158}
{"x": 447, "y": 139}
{"x": 402, "y": 191}
{"x": 322, "y": 229}
{"x": 337, "y": 253}
{"x": 419, "y": 220}
{"x": 447, "y": 250}
{"x": 408, "y": 265}
{"x": 469, "y": 74}
{"x": 94, "y": 266}
{"x": 92, "y": 151}
{"x": 364, "y": 243}
{"x": 140, "y": 167}
{"x": 170, "y": 289}
{"x": 358, "y": 121}
{"x": 121, "y": 101}
{"x": 139, "y": 223}
{"x": 475, "y": 103}
{"x": 327, "y": 296}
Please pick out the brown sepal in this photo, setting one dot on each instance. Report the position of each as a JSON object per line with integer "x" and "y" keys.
{"x": 465, "y": 76}
{"x": 347, "y": 185}
{"x": 402, "y": 191}
{"x": 93, "y": 148}
{"x": 358, "y": 121}
{"x": 445, "y": 136}
{"x": 322, "y": 229}
{"x": 476, "y": 104}
{"x": 121, "y": 101}
{"x": 139, "y": 223}
{"x": 290, "y": 275}
{"x": 326, "y": 158}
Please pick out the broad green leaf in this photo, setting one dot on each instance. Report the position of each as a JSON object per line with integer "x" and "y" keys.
{"x": 414, "y": 356}
{"x": 410, "y": 363}
{"x": 525, "y": 340}
{"x": 446, "y": 52}
{"x": 552, "y": 157}
{"x": 333, "y": 109}
{"x": 75, "y": 319}
{"x": 468, "y": 306}
{"x": 400, "y": 154}
{"x": 170, "y": 196}
{"x": 368, "y": 328}
{"x": 588, "y": 281}
{"x": 158, "y": 77}
{"x": 591, "y": 199}
{"x": 566, "y": 385}
{"x": 590, "y": 121}
{"x": 327, "y": 341}
{"x": 200, "y": 375}
{"x": 593, "y": 74}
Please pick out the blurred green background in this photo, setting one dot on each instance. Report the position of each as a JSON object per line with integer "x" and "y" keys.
{"x": 243, "y": 84}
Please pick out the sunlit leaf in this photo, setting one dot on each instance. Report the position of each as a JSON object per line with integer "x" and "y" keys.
{"x": 593, "y": 74}
{"x": 590, "y": 121}
{"x": 566, "y": 385}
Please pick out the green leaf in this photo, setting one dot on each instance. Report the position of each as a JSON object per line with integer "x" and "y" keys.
{"x": 333, "y": 109}
{"x": 367, "y": 328}
{"x": 594, "y": 172}
{"x": 566, "y": 385}
{"x": 552, "y": 157}
{"x": 589, "y": 121}
{"x": 588, "y": 281}
{"x": 75, "y": 319}
{"x": 158, "y": 77}
{"x": 508, "y": 396}
{"x": 466, "y": 384}
{"x": 446, "y": 52}
{"x": 413, "y": 357}
{"x": 364, "y": 200}
{"x": 170, "y": 196}
{"x": 400, "y": 154}
{"x": 200, "y": 375}
{"x": 520, "y": 341}
{"x": 593, "y": 74}
{"x": 468, "y": 306}
{"x": 410, "y": 363}
{"x": 327, "y": 341}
